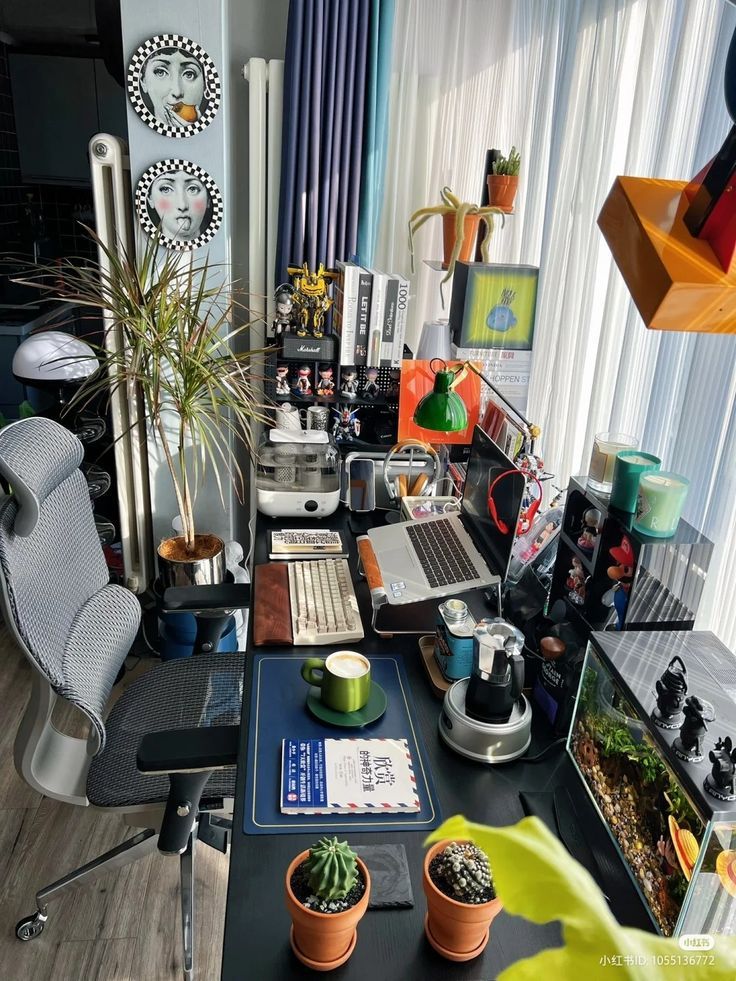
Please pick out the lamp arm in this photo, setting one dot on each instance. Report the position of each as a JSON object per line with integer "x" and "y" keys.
{"x": 530, "y": 430}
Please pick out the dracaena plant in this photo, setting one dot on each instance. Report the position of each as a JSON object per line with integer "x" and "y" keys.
{"x": 450, "y": 204}
{"x": 169, "y": 339}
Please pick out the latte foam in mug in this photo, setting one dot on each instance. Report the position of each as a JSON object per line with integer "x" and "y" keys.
{"x": 345, "y": 664}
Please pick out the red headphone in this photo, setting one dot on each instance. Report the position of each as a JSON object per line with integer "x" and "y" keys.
{"x": 526, "y": 516}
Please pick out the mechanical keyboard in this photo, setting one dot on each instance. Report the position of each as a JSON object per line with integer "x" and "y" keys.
{"x": 324, "y": 609}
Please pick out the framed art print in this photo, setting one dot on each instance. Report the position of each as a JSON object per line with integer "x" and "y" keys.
{"x": 494, "y": 305}
{"x": 173, "y": 85}
{"x": 178, "y": 201}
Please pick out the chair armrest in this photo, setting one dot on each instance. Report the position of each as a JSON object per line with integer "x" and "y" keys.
{"x": 189, "y": 756}
{"x": 189, "y": 750}
{"x": 206, "y": 599}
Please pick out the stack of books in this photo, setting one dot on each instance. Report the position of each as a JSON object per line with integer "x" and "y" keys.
{"x": 370, "y": 316}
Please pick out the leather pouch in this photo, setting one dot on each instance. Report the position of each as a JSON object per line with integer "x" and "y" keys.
{"x": 271, "y": 610}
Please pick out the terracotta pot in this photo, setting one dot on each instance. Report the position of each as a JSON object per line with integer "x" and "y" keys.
{"x": 502, "y": 190}
{"x": 457, "y": 931}
{"x": 467, "y": 252}
{"x": 324, "y": 941}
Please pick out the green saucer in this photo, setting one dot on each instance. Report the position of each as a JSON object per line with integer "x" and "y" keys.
{"x": 372, "y": 710}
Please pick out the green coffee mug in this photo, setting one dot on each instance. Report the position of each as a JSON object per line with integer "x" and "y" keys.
{"x": 344, "y": 679}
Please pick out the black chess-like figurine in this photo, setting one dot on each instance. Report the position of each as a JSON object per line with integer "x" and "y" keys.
{"x": 671, "y": 692}
{"x": 689, "y": 744}
{"x": 721, "y": 782}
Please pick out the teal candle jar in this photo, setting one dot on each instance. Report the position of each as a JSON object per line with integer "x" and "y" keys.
{"x": 629, "y": 466}
{"x": 660, "y": 502}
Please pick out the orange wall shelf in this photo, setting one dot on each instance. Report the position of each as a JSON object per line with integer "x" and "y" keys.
{"x": 675, "y": 280}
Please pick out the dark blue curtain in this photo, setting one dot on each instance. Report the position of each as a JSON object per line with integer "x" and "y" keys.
{"x": 331, "y": 78}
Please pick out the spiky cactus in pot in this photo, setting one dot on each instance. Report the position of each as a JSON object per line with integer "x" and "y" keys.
{"x": 462, "y": 872}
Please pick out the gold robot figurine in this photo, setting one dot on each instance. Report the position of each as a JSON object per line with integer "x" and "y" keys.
{"x": 311, "y": 299}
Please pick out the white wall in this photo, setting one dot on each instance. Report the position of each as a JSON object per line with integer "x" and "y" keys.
{"x": 230, "y": 31}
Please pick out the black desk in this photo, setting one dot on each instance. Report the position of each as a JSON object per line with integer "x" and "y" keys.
{"x": 391, "y": 943}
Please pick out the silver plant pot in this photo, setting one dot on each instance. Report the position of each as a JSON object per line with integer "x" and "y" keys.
{"x": 192, "y": 572}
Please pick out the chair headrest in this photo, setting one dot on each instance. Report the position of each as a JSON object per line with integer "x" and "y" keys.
{"x": 36, "y": 455}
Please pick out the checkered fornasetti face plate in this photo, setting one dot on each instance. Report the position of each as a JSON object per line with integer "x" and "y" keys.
{"x": 154, "y": 86}
{"x": 184, "y": 180}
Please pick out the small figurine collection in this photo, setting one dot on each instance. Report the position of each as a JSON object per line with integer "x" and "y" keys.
{"x": 675, "y": 709}
{"x": 301, "y": 308}
{"x": 297, "y": 379}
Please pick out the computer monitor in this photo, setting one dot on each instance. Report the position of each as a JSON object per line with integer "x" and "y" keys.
{"x": 485, "y": 465}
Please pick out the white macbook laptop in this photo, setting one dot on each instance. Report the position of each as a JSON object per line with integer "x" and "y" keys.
{"x": 453, "y": 553}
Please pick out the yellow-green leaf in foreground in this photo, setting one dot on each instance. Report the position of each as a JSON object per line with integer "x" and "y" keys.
{"x": 536, "y": 878}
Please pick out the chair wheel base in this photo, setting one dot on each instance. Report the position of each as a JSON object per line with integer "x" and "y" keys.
{"x": 30, "y": 927}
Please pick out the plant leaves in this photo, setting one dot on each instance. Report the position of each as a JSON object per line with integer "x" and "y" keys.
{"x": 536, "y": 878}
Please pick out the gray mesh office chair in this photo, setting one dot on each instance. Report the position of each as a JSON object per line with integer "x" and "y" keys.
{"x": 164, "y": 755}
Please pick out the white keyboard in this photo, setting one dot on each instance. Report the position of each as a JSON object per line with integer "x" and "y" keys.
{"x": 324, "y": 609}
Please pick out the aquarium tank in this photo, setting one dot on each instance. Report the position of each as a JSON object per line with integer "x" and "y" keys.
{"x": 676, "y": 839}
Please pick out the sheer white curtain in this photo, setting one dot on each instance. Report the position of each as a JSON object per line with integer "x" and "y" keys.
{"x": 586, "y": 89}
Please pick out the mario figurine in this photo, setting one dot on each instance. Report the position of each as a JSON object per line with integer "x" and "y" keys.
{"x": 622, "y": 575}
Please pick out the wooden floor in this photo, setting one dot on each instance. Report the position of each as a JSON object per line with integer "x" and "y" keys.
{"x": 123, "y": 927}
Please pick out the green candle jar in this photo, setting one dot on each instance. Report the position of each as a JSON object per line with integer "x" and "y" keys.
{"x": 660, "y": 502}
{"x": 629, "y": 466}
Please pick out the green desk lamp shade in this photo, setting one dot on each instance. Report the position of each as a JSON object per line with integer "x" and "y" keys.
{"x": 442, "y": 410}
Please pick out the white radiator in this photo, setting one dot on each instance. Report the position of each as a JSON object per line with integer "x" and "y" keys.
{"x": 114, "y": 221}
{"x": 265, "y": 106}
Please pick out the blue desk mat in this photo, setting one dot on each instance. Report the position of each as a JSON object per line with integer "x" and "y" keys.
{"x": 278, "y": 710}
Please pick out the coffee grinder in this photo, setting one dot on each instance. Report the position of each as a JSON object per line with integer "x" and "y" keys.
{"x": 486, "y": 717}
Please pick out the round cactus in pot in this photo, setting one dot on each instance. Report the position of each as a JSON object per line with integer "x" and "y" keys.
{"x": 461, "y": 900}
{"x": 327, "y": 892}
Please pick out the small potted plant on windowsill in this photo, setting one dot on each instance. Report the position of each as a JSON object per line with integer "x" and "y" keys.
{"x": 327, "y": 892}
{"x": 461, "y": 899}
{"x": 503, "y": 182}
